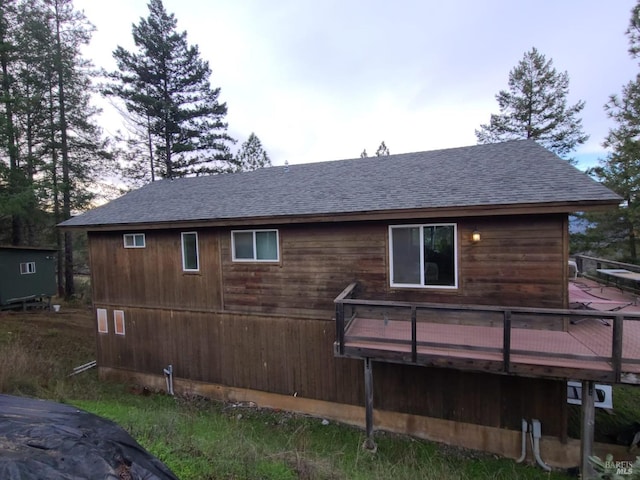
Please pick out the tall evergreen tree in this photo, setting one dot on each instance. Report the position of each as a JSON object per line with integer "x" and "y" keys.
{"x": 252, "y": 155}
{"x": 166, "y": 90}
{"x": 14, "y": 177}
{"x": 48, "y": 138}
{"x": 535, "y": 106}
{"x": 620, "y": 170}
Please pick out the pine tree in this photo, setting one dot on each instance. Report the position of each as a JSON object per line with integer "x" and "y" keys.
{"x": 166, "y": 91}
{"x": 252, "y": 155}
{"x": 536, "y": 107}
{"x": 48, "y": 139}
{"x": 13, "y": 175}
{"x": 620, "y": 170}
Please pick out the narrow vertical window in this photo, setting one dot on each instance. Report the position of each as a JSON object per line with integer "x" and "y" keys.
{"x": 190, "y": 261}
{"x": 103, "y": 325}
{"x": 118, "y": 322}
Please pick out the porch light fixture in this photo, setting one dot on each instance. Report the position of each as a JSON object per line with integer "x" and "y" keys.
{"x": 475, "y": 236}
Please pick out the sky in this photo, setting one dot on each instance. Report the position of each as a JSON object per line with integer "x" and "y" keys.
{"x": 323, "y": 80}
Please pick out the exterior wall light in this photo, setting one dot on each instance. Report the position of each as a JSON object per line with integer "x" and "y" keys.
{"x": 475, "y": 236}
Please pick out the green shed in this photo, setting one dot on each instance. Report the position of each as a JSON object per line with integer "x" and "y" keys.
{"x": 27, "y": 275}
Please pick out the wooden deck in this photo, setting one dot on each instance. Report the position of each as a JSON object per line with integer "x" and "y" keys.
{"x": 563, "y": 344}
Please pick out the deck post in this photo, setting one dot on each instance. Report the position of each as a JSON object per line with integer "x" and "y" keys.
{"x": 414, "y": 340}
{"x": 586, "y": 429}
{"x": 616, "y": 349}
{"x": 369, "y": 443}
{"x": 340, "y": 326}
{"x": 506, "y": 341}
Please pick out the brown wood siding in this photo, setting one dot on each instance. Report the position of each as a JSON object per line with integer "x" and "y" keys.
{"x": 520, "y": 261}
{"x": 153, "y": 276}
{"x": 269, "y": 327}
{"x": 470, "y": 397}
{"x": 295, "y": 357}
{"x": 316, "y": 263}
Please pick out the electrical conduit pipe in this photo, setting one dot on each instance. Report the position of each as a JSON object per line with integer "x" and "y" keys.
{"x": 536, "y": 434}
{"x": 523, "y": 454}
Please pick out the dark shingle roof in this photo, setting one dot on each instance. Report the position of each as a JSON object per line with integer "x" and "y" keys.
{"x": 512, "y": 173}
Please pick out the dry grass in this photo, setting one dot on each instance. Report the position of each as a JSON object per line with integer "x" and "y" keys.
{"x": 38, "y": 350}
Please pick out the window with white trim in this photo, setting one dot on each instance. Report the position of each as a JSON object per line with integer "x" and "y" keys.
{"x": 190, "y": 254}
{"x": 255, "y": 246}
{"x": 27, "y": 267}
{"x": 424, "y": 256}
{"x": 103, "y": 325}
{"x": 134, "y": 240}
{"x": 118, "y": 322}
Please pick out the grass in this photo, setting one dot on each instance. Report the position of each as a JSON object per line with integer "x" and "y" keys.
{"x": 199, "y": 439}
{"x": 202, "y": 439}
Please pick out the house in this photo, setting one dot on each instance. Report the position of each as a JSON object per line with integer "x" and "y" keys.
{"x": 231, "y": 281}
{"x": 27, "y": 276}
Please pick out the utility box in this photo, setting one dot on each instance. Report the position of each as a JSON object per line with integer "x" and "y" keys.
{"x": 27, "y": 276}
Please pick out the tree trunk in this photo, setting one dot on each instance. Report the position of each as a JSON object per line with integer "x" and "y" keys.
{"x": 69, "y": 289}
{"x": 55, "y": 194}
{"x": 15, "y": 183}
{"x": 150, "y": 147}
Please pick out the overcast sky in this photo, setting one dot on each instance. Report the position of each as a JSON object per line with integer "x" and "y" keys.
{"x": 322, "y": 80}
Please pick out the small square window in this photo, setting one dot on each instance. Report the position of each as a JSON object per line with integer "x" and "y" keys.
{"x": 27, "y": 268}
{"x": 255, "y": 246}
{"x": 134, "y": 240}
{"x": 190, "y": 260}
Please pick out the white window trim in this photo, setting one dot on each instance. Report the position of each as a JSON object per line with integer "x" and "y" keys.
{"x": 133, "y": 236}
{"x": 184, "y": 267}
{"x": 29, "y": 268}
{"x": 116, "y": 314}
{"x": 422, "y": 272}
{"x": 255, "y": 251}
{"x": 103, "y": 322}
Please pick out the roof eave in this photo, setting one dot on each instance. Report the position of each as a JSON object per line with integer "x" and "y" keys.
{"x": 377, "y": 215}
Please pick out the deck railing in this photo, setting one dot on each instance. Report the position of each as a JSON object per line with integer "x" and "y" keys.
{"x": 589, "y": 267}
{"x": 347, "y": 308}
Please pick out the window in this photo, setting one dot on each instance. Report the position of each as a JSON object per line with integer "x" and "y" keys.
{"x": 190, "y": 262}
{"x": 423, "y": 256}
{"x": 134, "y": 240}
{"x": 255, "y": 245}
{"x": 27, "y": 267}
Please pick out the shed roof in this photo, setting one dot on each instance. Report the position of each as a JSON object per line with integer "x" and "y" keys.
{"x": 21, "y": 247}
{"x": 472, "y": 179}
